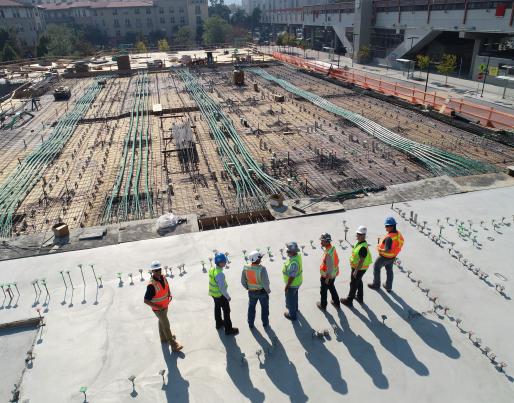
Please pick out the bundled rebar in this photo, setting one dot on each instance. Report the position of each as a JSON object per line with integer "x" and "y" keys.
{"x": 437, "y": 161}
{"x": 251, "y": 183}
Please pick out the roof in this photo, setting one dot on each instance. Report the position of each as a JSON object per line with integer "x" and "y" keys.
{"x": 92, "y": 4}
{"x": 395, "y": 347}
{"x": 12, "y": 3}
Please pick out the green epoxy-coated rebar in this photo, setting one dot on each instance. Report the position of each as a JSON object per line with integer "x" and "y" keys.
{"x": 251, "y": 183}
{"x": 129, "y": 179}
{"x": 21, "y": 181}
{"x": 437, "y": 161}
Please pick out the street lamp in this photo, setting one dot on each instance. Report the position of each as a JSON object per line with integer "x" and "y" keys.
{"x": 426, "y": 81}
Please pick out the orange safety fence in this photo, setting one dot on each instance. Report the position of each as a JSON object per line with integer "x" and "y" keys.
{"x": 442, "y": 102}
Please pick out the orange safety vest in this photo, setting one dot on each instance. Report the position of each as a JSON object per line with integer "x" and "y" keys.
{"x": 323, "y": 267}
{"x": 253, "y": 277}
{"x": 162, "y": 295}
{"x": 396, "y": 247}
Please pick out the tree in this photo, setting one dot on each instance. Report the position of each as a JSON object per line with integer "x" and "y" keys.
{"x": 255, "y": 18}
{"x": 61, "y": 40}
{"x": 364, "y": 54}
{"x": 216, "y": 30}
{"x": 140, "y": 47}
{"x": 163, "y": 45}
{"x": 423, "y": 62}
{"x": 448, "y": 65}
{"x": 218, "y": 8}
{"x": 199, "y": 31}
{"x": 239, "y": 18}
{"x": 8, "y": 53}
{"x": 183, "y": 36}
{"x": 42, "y": 46}
{"x": 155, "y": 36}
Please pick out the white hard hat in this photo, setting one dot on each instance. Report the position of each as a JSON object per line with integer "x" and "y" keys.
{"x": 156, "y": 265}
{"x": 362, "y": 230}
{"x": 253, "y": 256}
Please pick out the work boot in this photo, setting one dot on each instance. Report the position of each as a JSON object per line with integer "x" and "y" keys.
{"x": 219, "y": 325}
{"x": 385, "y": 287}
{"x": 335, "y": 304}
{"x": 374, "y": 286}
{"x": 347, "y": 302}
{"x": 176, "y": 346}
{"x": 287, "y": 316}
{"x": 359, "y": 300}
{"x": 232, "y": 331}
{"x": 321, "y": 307}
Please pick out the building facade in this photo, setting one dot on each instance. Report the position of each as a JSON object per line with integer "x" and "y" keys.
{"x": 26, "y": 20}
{"x": 116, "y": 19}
{"x": 479, "y": 32}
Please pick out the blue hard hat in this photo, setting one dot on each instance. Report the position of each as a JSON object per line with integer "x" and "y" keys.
{"x": 219, "y": 258}
{"x": 390, "y": 221}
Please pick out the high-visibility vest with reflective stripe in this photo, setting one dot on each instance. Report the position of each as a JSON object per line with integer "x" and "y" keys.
{"x": 161, "y": 297}
{"x": 355, "y": 258}
{"x": 253, "y": 277}
{"x": 396, "y": 247}
{"x": 214, "y": 290}
{"x": 330, "y": 253}
{"x": 299, "y": 275}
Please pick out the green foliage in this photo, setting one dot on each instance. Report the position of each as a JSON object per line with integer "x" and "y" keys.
{"x": 239, "y": 18}
{"x": 364, "y": 54}
{"x": 140, "y": 47}
{"x": 8, "y": 53}
{"x": 423, "y": 61}
{"x": 199, "y": 31}
{"x": 448, "y": 65}
{"x": 163, "y": 45}
{"x": 42, "y": 46}
{"x": 61, "y": 40}
{"x": 9, "y": 45}
{"x": 255, "y": 18}
{"x": 285, "y": 39}
{"x": 218, "y": 8}
{"x": 216, "y": 30}
{"x": 183, "y": 36}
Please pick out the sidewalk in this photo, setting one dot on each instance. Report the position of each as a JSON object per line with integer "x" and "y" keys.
{"x": 457, "y": 87}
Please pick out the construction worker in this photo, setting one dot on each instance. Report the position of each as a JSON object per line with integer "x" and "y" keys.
{"x": 359, "y": 263}
{"x": 388, "y": 248}
{"x": 218, "y": 292}
{"x": 158, "y": 297}
{"x": 329, "y": 270}
{"x": 255, "y": 279}
{"x": 292, "y": 274}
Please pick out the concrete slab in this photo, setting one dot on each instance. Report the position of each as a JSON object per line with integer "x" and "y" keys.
{"x": 14, "y": 344}
{"x": 98, "y": 337}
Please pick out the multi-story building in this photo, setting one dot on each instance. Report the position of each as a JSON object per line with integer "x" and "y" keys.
{"x": 115, "y": 19}
{"x": 26, "y": 20}
{"x": 119, "y": 18}
{"x": 478, "y": 32}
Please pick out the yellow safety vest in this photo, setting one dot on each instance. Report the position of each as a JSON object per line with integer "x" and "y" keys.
{"x": 214, "y": 290}
{"x": 299, "y": 275}
{"x": 354, "y": 259}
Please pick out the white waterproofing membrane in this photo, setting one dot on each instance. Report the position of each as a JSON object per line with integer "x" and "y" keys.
{"x": 395, "y": 348}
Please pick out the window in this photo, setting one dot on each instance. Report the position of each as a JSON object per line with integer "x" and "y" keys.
{"x": 198, "y": 20}
{"x": 116, "y": 22}
{"x": 161, "y": 20}
{"x": 181, "y": 10}
{"x": 94, "y": 13}
{"x": 114, "y": 12}
{"x": 138, "y": 22}
{"x": 172, "y": 19}
{"x": 127, "y": 23}
{"x": 136, "y": 11}
{"x": 118, "y": 33}
{"x": 182, "y": 21}
{"x": 2, "y": 14}
{"x": 149, "y": 11}
{"x": 149, "y": 22}
{"x": 172, "y": 10}
{"x": 198, "y": 10}
{"x": 161, "y": 10}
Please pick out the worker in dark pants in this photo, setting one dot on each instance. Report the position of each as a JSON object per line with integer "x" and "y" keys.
{"x": 292, "y": 273}
{"x": 388, "y": 248}
{"x": 158, "y": 297}
{"x": 218, "y": 292}
{"x": 328, "y": 270}
{"x": 359, "y": 263}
